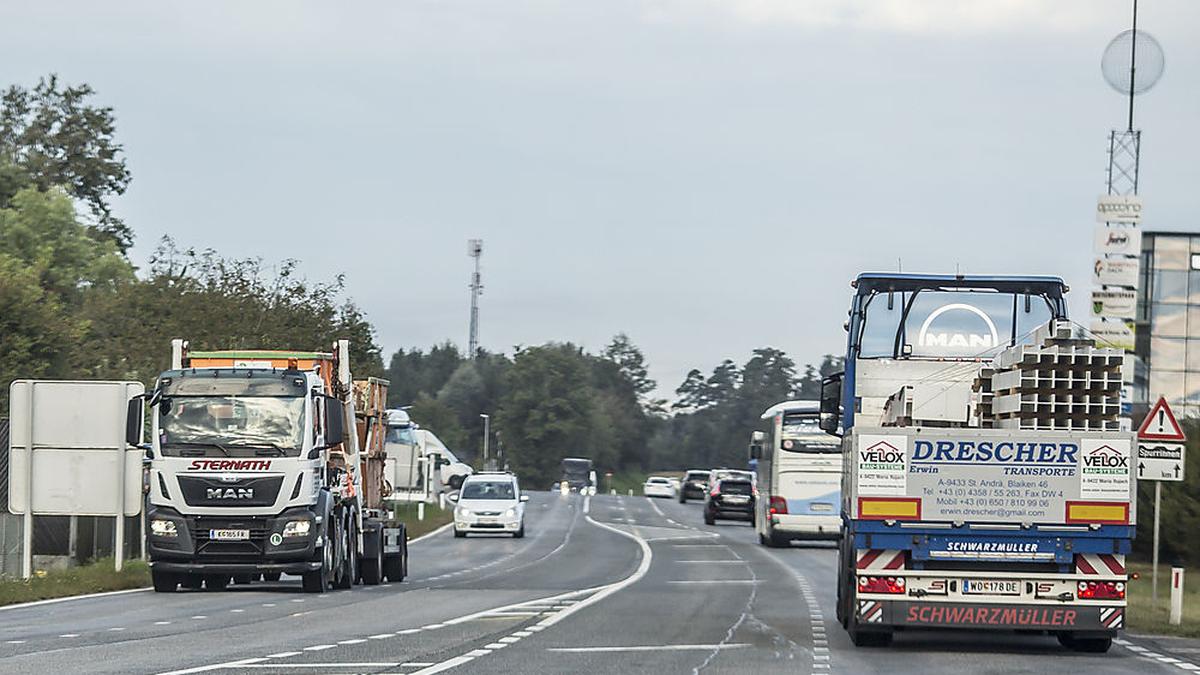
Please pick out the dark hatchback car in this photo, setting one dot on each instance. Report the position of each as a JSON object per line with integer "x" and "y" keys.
{"x": 694, "y": 485}
{"x": 730, "y": 499}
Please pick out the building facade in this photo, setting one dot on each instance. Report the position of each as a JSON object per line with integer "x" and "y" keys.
{"x": 1168, "y": 322}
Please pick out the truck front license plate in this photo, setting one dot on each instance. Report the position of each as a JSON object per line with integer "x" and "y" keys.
{"x": 991, "y": 587}
{"x": 229, "y": 535}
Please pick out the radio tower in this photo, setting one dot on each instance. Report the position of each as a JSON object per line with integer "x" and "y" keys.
{"x": 475, "y": 250}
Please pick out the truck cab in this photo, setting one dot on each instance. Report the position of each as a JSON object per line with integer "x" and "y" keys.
{"x": 985, "y": 481}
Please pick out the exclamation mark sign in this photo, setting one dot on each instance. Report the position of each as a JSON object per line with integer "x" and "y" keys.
{"x": 1162, "y": 419}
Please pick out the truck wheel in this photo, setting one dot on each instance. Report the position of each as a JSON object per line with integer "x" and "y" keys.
{"x": 318, "y": 581}
{"x": 271, "y": 576}
{"x": 164, "y": 582}
{"x": 191, "y": 581}
{"x": 349, "y": 566}
{"x": 395, "y": 567}
{"x": 1088, "y": 645}
{"x": 682, "y": 498}
{"x": 371, "y": 567}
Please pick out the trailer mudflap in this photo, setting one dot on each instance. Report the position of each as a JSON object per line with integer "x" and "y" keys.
{"x": 987, "y": 615}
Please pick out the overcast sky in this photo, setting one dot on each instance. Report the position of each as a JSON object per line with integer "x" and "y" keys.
{"x": 704, "y": 175}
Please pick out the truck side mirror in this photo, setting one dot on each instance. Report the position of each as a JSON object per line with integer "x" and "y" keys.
{"x": 135, "y": 421}
{"x": 831, "y": 403}
{"x": 334, "y": 422}
{"x": 755, "y": 451}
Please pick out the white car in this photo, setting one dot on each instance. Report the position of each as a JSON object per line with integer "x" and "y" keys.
{"x": 657, "y": 486}
{"x": 490, "y": 503}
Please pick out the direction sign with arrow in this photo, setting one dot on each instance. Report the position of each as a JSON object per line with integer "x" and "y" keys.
{"x": 1160, "y": 461}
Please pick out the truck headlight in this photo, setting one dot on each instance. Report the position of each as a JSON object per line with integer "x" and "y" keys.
{"x": 510, "y": 513}
{"x": 296, "y": 528}
{"x": 163, "y": 528}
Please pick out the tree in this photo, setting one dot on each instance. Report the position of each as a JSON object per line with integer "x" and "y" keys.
{"x": 55, "y": 137}
{"x": 38, "y": 335}
{"x": 441, "y": 419}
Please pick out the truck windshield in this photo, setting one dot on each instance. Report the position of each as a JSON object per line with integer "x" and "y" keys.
{"x": 232, "y": 425}
{"x": 801, "y": 433}
{"x": 400, "y": 435}
{"x": 954, "y": 324}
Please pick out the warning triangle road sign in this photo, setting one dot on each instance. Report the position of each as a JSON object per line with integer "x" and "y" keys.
{"x": 1160, "y": 424}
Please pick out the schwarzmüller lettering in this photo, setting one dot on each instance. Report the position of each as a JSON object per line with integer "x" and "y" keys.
{"x": 990, "y": 616}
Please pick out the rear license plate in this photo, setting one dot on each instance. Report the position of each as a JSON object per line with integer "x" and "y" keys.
{"x": 991, "y": 587}
{"x": 229, "y": 535}
{"x": 737, "y": 499}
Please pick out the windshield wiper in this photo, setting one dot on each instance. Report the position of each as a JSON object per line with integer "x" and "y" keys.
{"x": 190, "y": 444}
{"x": 263, "y": 448}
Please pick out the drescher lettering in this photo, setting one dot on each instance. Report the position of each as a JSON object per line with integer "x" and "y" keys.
{"x": 986, "y": 452}
{"x": 230, "y": 465}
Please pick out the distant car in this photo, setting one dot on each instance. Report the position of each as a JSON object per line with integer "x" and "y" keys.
{"x": 658, "y": 486}
{"x": 695, "y": 485}
{"x": 730, "y": 499}
{"x": 721, "y": 474}
{"x": 490, "y": 503}
{"x": 674, "y": 483}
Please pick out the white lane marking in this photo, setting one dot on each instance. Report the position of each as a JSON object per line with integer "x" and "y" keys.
{"x": 318, "y": 648}
{"x": 355, "y": 641}
{"x": 712, "y": 562}
{"x": 408, "y": 631}
{"x": 415, "y": 664}
{"x": 433, "y": 626}
{"x": 714, "y": 581}
{"x": 523, "y": 633}
{"x": 69, "y": 635}
{"x": 649, "y": 648}
{"x": 216, "y": 666}
{"x": 445, "y": 665}
{"x": 162, "y": 623}
{"x": 268, "y": 604}
{"x": 431, "y": 534}
{"x": 14, "y": 642}
{"x": 53, "y": 601}
{"x": 273, "y": 666}
{"x": 494, "y": 646}
{"x": 697, "y": 545}
{"x": 199, "y": 616}
{"x": 381, "y": 636}
{"x": 509, "y": 640}
{"x": 117, "y": 628}
{"x": 282, "y": 655}
{"x": 236, "y": 611}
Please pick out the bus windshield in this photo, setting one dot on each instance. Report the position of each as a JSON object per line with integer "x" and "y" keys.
{"x": 948, "y": 323}
{"x": 801, "y": 433}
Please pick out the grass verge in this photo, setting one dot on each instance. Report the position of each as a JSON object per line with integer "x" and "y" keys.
{"x": 97, "y": 577}
{"x": 1146, "y": 618}
{"x": 434, "y": 518}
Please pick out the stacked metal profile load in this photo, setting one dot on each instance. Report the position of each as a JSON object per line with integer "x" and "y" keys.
{"x": 982, "y": 398}
{"x": 1060, "y": 381}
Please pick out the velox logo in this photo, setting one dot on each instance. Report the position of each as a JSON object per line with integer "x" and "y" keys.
{"x": 230, "y": 465}
{"x": 882, "y": 455}
{"x": 1106, "y": 457}
{"x": 229, "y": 493}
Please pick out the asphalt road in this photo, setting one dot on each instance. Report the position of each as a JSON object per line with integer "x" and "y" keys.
{"x": 612, "y": 584}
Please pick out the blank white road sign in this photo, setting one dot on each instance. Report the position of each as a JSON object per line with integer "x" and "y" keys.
{"x": 76, "y": 432}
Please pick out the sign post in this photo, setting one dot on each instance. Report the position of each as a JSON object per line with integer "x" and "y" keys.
{"x": 1160, "y": 458}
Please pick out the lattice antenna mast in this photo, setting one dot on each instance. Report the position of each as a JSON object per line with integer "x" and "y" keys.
{"x": 475, "y": 250}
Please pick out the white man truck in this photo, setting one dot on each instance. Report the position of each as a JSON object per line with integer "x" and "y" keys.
{"x": 986, "y": 478}
{"x": 265, "y": 463}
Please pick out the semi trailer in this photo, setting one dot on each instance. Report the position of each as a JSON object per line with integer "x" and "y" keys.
{"x": 986, "y": 480}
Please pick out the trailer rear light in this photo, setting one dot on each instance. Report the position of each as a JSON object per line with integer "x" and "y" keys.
{"x": 778, "y": 506}
{"x": 1101, "y": 590}
{"x": 891, "y": 585}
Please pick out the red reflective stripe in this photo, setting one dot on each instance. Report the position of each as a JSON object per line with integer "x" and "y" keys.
{"x": 868, "y": 558}
{"x": 896, "y": 562}
{"x": 1112, "y": 563}
{"x": 1082, "y": 563}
